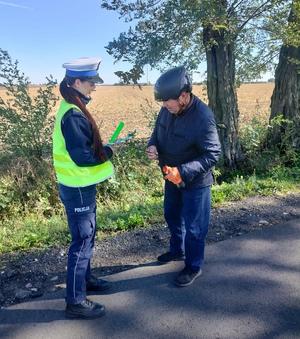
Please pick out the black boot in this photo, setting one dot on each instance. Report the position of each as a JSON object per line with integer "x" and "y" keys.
{"x": 167, "y": 257}
{"x": 97, "y": 285}
{"x": 187, "y": 276}
{"x": 87, "y": 309}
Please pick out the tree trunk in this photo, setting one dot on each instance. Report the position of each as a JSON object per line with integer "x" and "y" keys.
{"x": 222, "y": 93}
{"x": 286, "y": 95}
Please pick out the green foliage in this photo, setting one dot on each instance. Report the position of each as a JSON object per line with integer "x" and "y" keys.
{"x": 291, "y": 36}
{"x": 30, "y": 206}
{"x": 261, "y": 153}
{"x": 284, "y": 150}
{"x": 132, "y": 198}
{"x": 6, "y": 194}
{"x": 150, "y": 111}
{"x": 166, "y": 33}
{"x": 27, "y": 185}
{"x": 32, "y": 227}
{"x": 25, "y": 125}
{"x": 133, "y": 75}
{"x": 278, "y": 179}
{"x": 33, "y": 231}
{"x": 133, "y": 172}
{"x": 252, "y": 136}
{"x": 131, "y": 213}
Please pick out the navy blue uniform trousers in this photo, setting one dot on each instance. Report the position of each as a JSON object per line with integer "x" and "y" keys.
{"x": 187, "y": 213}
{"x": 80, "y": 206}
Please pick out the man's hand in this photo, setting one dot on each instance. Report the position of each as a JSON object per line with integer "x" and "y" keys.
{"x": 172, "y": 174}
{"x": 152, "y": 152}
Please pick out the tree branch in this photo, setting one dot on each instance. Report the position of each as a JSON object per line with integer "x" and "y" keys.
{"x": 233, "y": 7}
{"x": 256, "y": 13}
{"x": 132, "y": 10}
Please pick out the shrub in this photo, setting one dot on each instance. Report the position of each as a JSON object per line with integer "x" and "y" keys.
{"x": 134, "y": 173}
{"x": 25, "y": 125}
{"x": 261, "y": 153}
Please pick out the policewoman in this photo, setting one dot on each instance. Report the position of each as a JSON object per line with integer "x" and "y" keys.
{"x": 80, "y": 161}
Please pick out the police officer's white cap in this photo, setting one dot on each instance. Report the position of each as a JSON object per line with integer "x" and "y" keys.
{"x": 84, "y": 68}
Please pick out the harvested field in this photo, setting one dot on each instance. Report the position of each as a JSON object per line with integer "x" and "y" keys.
{"x": 111, "y": 104}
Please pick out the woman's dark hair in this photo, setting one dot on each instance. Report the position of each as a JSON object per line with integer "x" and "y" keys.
{"x": 72, "y": 97}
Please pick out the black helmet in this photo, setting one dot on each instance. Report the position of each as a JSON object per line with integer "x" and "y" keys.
{"x": 171, "y": 84}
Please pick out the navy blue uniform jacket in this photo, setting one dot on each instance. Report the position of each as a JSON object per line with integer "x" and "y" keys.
{"x": 188, "y": 141}
{"x": 78, "y": 134}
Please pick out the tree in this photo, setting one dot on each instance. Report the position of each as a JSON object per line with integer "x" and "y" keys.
{"x": 285, "y": 100}
{"x": 188, "y": 31}
{"x": 25, "y": 124}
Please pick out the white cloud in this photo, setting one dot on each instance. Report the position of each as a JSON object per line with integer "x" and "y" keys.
{"x": 4, "y": 3}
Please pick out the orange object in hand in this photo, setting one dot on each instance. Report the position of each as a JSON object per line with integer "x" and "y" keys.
{"x": 172, "y": 174}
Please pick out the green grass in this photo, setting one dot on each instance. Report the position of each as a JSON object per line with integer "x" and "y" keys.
{"x": 132, "y": 214}
{"x": 32, "y": 216}
{"x": 279, "y": 180}
{"x": 135, "y": 208}
{"x": 32, "y": 231}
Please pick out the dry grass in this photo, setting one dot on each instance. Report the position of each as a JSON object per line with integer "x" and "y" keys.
{"x": 111, "y": 104}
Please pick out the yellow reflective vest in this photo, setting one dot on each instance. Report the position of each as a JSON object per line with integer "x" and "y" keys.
{"x": 67, "y": 172}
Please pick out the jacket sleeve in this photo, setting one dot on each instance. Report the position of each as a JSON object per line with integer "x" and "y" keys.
{"x": 208, "y": 144}
{"x": 78, "y": 135}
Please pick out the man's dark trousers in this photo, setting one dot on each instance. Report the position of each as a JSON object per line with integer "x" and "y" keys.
{"x": 80, "y": 206}
{"x": 187, "y": 213}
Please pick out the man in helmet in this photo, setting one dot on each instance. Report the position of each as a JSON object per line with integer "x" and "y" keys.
{"x": 186, "y": 144}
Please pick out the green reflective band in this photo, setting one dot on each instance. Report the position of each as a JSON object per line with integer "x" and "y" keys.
{"x": 61, "y": 157}
{"x": 105, "y": 168}
{"x": 80, "y": 177}
{"x": 116, "y": 133}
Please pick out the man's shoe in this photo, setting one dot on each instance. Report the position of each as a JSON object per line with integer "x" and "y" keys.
{"x": 167, "y": 257}
{"x": 97, "y": 285}
{"x": 87, "y": 309}
{"x": 186, "y": 277}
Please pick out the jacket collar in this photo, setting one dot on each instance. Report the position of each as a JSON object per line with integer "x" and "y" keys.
{"x": 186, "y": 110}
{"x": 84, "y": 99}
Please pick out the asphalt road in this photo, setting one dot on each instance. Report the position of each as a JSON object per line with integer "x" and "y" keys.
{"x": 250, "y": 288}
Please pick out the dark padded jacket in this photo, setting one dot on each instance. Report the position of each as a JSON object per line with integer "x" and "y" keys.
{"x": 188, "y": 141}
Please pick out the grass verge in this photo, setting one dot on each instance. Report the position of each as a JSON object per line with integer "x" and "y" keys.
{"x": 134, "y": 208}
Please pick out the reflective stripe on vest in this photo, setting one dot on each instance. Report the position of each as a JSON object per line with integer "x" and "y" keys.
{"x": 67, "y": 172}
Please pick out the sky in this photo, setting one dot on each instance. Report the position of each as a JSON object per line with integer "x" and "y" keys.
{"x": 43, "y": 34}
